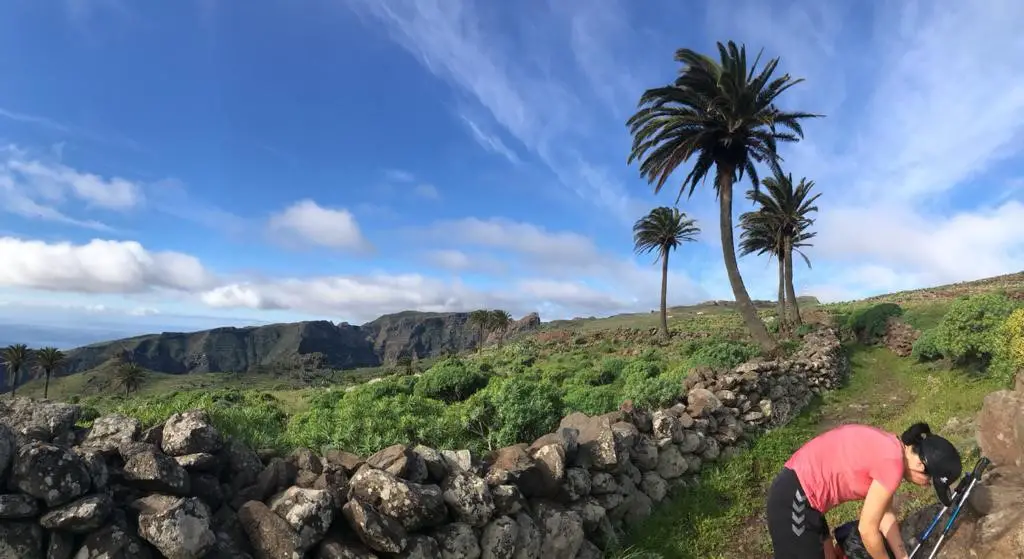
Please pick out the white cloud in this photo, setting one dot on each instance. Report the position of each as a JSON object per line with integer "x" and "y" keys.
{"x": 99, "y": 266}
{"x": 460, "y": 261}
{"x": 563, "y": 248}
{"x": 363, "y": 298}
{"x": 308, "y": 222}
{"x": 605, "y": 284}
{"x": 54, "y": 182}
{"x": 37, "y": 189}
{"x": 934, "y": 249}
{"x": 909, "y": 153}
{"x": 450, "y": 259}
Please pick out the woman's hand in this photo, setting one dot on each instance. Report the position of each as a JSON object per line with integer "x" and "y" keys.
{"x": 877, "y": 504}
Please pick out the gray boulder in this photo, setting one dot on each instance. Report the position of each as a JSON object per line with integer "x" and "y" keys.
{"x": 190, "y": 432}
{"x": 50, "y": 473}
{"x": 178, "y": 527}
{"x": 81, "y": 516}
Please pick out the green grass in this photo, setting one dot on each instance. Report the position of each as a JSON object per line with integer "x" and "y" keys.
{"x": 723, "y": 516}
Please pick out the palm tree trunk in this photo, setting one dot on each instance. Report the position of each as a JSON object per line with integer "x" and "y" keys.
{"x": 746, "y": 307}
{"x": 664, "y": 292}
{"x": 46, "y": 386}
{"x": 14, "y": 383}
{"x": 781, "y": 307}
{"x": 793, "y": 307}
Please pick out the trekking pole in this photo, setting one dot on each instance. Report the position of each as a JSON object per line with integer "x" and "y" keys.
{"x": 957, "y": 492}
{"x": 928, "y": 531}
{"x": 975, "y": 476}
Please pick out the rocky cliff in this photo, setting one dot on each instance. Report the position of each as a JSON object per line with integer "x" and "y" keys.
{"x": 313, "y": 344}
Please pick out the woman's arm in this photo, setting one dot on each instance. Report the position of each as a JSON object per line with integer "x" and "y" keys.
{"x": 890, "y": 528}
{"x": 877, "y": 504}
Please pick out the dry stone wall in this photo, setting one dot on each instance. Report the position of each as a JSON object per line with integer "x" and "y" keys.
{"x": 183, "y": 490}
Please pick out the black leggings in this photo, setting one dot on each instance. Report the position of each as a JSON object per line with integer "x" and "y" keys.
{"x": 797, "y": 530}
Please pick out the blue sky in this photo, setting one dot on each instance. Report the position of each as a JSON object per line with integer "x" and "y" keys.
{"x": 196, "y": 163}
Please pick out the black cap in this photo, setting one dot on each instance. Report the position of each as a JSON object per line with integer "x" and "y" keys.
{"x": 942, "y": 462}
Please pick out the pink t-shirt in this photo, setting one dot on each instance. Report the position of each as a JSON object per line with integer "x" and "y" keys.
{"x": 839, "y": 465}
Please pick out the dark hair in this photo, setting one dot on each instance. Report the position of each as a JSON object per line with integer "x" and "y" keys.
{"x": 915, "y": 434}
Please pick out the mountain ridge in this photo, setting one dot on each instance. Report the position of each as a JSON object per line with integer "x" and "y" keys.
{"x": 312, "y": 344}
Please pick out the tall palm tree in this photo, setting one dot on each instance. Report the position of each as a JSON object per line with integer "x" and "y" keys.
{"x": 723, "y": 115}
{"x": 784, "y": 213}
{"x": 49, "y": 359}
{"x": 129, "y": 376}
{"x": 15, "y": 358}
{"x": 663, "y": 230}
{"x": 480, "y": 319}
{"x": 499, "y": 322}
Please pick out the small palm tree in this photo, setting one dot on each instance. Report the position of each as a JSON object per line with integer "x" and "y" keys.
{"x": 784, "y": 215}
{"x": 480, "y": 319}
{"x": 663, "y": 230}
{"x": 129, "y": 376}
{"x": 723, "y": 115}
{"x": 499, "y": 322}
{"x": 49, "y": 360}
{"x": 15, "y": 358}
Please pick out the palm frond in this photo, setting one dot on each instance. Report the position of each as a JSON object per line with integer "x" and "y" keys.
{"x": 720, "y": 113}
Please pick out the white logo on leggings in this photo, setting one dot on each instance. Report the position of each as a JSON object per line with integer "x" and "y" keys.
{"x": 798, "y": 515}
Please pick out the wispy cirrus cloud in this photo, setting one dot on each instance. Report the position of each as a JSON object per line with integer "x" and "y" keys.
{"x": 514, "y": 82}
{"x": 33, "y": 119}
{"x": 67, "y": 130}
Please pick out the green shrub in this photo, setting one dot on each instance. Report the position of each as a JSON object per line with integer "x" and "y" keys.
{"x": 511, "y": 410}
{"x": 640, "y": 369}
{"x": 969, "y": 333}
{"x": 678, "y": 372}
{"x": 926, "y": 347}
{"x": 869, "y": 324}
{"x": 723, "y": 354}
{"x": 364, "y": 424}
{"x": 591, "y": 400}
{"x": 651, "y": 393}
{"x": 589, "y": 377}
{"x": 450, "y": 380}
{"x": 610, "y": 369}
{"x": 1009, "y": 357}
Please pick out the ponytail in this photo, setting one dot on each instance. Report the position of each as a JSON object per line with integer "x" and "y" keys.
{"x": 915, "y": 434}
